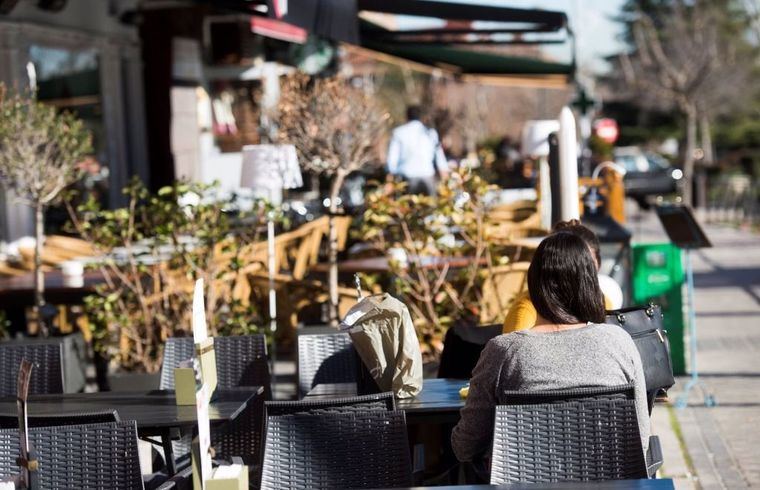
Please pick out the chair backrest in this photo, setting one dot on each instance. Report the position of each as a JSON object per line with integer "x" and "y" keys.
{"x": 11, "y": 421}
{"x": 380, "y": 401}
{"x": 325, "y": 358}
{"x": 462, "y": 347}
{"x": 240, "y": 361}
{"x": 500, "y": 286}
{"x": 47, "y": 374}
{"x": 79, "y": 456}
{"x": 586, "y": 434}
{"x": 337, "y": 450}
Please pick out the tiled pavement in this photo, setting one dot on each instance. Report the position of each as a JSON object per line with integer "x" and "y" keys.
{"x": 718, "y": 447}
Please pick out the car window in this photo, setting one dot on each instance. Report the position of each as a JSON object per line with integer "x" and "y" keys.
{"x": 656, "y": 161}
{"x": 628, "y": 162}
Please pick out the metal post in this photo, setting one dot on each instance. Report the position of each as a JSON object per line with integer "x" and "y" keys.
{"x": 683, "y": 399}
{"x": 272, "y": 294}
{"x": 555, "y": 185}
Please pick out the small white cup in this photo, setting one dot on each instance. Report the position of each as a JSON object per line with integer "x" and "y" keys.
{"x": 73, "y": 273}
{"x": 397, "y": 255}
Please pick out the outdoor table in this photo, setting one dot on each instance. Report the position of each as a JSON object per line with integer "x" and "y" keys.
{"x": 438, "y": 402}
{"x": 654, "y": 484}
{"x": 530, "y": 242}
{"x": 155, "y": 412}
{"x": 380, "y": 265}
{"x": 17, "y": 293}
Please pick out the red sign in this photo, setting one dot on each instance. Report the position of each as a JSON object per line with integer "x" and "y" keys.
{"x": 607, "y": 130}
{"x": 277, "y": 29}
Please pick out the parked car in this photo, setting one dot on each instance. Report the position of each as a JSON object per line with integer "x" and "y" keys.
{"x": 647, "y": 174}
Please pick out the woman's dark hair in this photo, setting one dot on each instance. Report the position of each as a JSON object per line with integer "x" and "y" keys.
{"x": 576, "y": 228}
{"x": 562, "y": 281}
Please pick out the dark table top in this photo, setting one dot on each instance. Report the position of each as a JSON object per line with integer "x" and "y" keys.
{"x": 658, "y": 484}
{"x": 153, "y": 411}
{"x": 437, "y": 395}
{"x": 19, "y": 290}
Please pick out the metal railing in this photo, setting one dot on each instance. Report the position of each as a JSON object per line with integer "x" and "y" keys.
{"x": 734, "y": 199}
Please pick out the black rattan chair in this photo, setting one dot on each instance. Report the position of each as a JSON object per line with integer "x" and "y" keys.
{"x": 325, "y": 358}
{"x": 462, "y": 347}
{"x": 79, "y": 456}
{"x": 380, "y": 401}
{"x": 47, "y": 374}
{"x": 240, "y": 361}
{"x": 337, "y": 450}
{"x": 584, "y": 434}
{"x": 11, "y": 421}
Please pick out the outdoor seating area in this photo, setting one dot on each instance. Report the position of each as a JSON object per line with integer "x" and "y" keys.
{"x": 456, "y": 244}
{"x": 385, "y": 442}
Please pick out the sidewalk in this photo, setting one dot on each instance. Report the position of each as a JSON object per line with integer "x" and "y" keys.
{"x": 717, "y": 447}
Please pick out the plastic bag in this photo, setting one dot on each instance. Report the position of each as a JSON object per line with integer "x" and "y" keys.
{"x": 383, "y": 335}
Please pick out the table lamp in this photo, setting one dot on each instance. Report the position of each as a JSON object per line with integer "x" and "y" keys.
{"x": 267, "y": 170}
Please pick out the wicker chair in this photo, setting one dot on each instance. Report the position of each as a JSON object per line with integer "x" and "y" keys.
{"x": 325, "y": 358}
{"x": 79, "y": 456}
{"x": 11, "y": 421}
{"x": 47, "y": 375}
{"x": 240, "y": 361}
{"x": 462, "y": 347}
{"x": 501, "y": 285}
{"x": 584, "y": 434}
{"x": 381, "y": 401}
{"x": 337, "y": 450}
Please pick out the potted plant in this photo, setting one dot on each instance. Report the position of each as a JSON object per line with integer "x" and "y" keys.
{"x": 154, "y": 249}
{"x": 419, "y": 228}
{"x": 40, "y": 149}
{"x": 335, "y": 126}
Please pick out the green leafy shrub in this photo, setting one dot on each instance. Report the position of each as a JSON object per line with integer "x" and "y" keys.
{"x": 153, "y": 251}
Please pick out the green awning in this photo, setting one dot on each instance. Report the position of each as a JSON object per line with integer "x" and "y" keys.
{"x": 470, "y": 62}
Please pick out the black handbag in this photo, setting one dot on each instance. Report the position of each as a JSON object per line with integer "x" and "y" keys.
{"x": 644, "y": 325}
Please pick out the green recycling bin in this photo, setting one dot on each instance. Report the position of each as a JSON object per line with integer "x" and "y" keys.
{"x": 658, "y": 277}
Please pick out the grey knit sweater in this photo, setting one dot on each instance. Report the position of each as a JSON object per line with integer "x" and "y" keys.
{"x": 592, "y": 356}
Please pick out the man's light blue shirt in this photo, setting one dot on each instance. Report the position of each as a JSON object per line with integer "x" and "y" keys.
{"x": 412, "y": 149}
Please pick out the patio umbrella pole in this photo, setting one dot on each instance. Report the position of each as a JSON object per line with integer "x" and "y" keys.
{"x": 272, "y": 294}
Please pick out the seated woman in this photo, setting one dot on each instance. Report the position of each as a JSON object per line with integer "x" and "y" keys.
{"x": 522, "y": 313}
{"x": 567, "y": 348}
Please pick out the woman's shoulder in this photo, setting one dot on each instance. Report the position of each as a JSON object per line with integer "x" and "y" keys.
{"x": 503, "y": 342}
{"x": 614, "y": 334}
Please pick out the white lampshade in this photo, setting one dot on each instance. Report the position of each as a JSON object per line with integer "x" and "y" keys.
{"x": 270, "y": 168}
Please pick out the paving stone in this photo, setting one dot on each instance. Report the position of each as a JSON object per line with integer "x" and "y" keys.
{"x": 722, "y": 442}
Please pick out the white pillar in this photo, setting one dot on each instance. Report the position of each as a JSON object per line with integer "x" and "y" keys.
{"x": 568, "y": 166}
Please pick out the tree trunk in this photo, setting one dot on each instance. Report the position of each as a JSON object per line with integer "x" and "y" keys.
{"x": 706, "y": 137}
{"x": 700, "y": 188}
{"x": 333, "y": 249}
{"x": 688, "y": 163}
{"x": 39, "y": 278}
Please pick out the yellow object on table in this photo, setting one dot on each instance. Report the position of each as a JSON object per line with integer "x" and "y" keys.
{"x": 464, "y": 391}
{"x": 232, "y": 477}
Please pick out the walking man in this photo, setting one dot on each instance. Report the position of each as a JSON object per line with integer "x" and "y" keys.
{"x": 415, "y": 154}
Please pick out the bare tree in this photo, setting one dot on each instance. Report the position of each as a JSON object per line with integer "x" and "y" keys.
{"x": 684, "y": 59}
{"x": 335, "y": 127}
{"x": 39, "y": 153}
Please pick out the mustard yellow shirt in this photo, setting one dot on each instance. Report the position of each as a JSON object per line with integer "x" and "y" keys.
{"x": 522, "y": 314}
